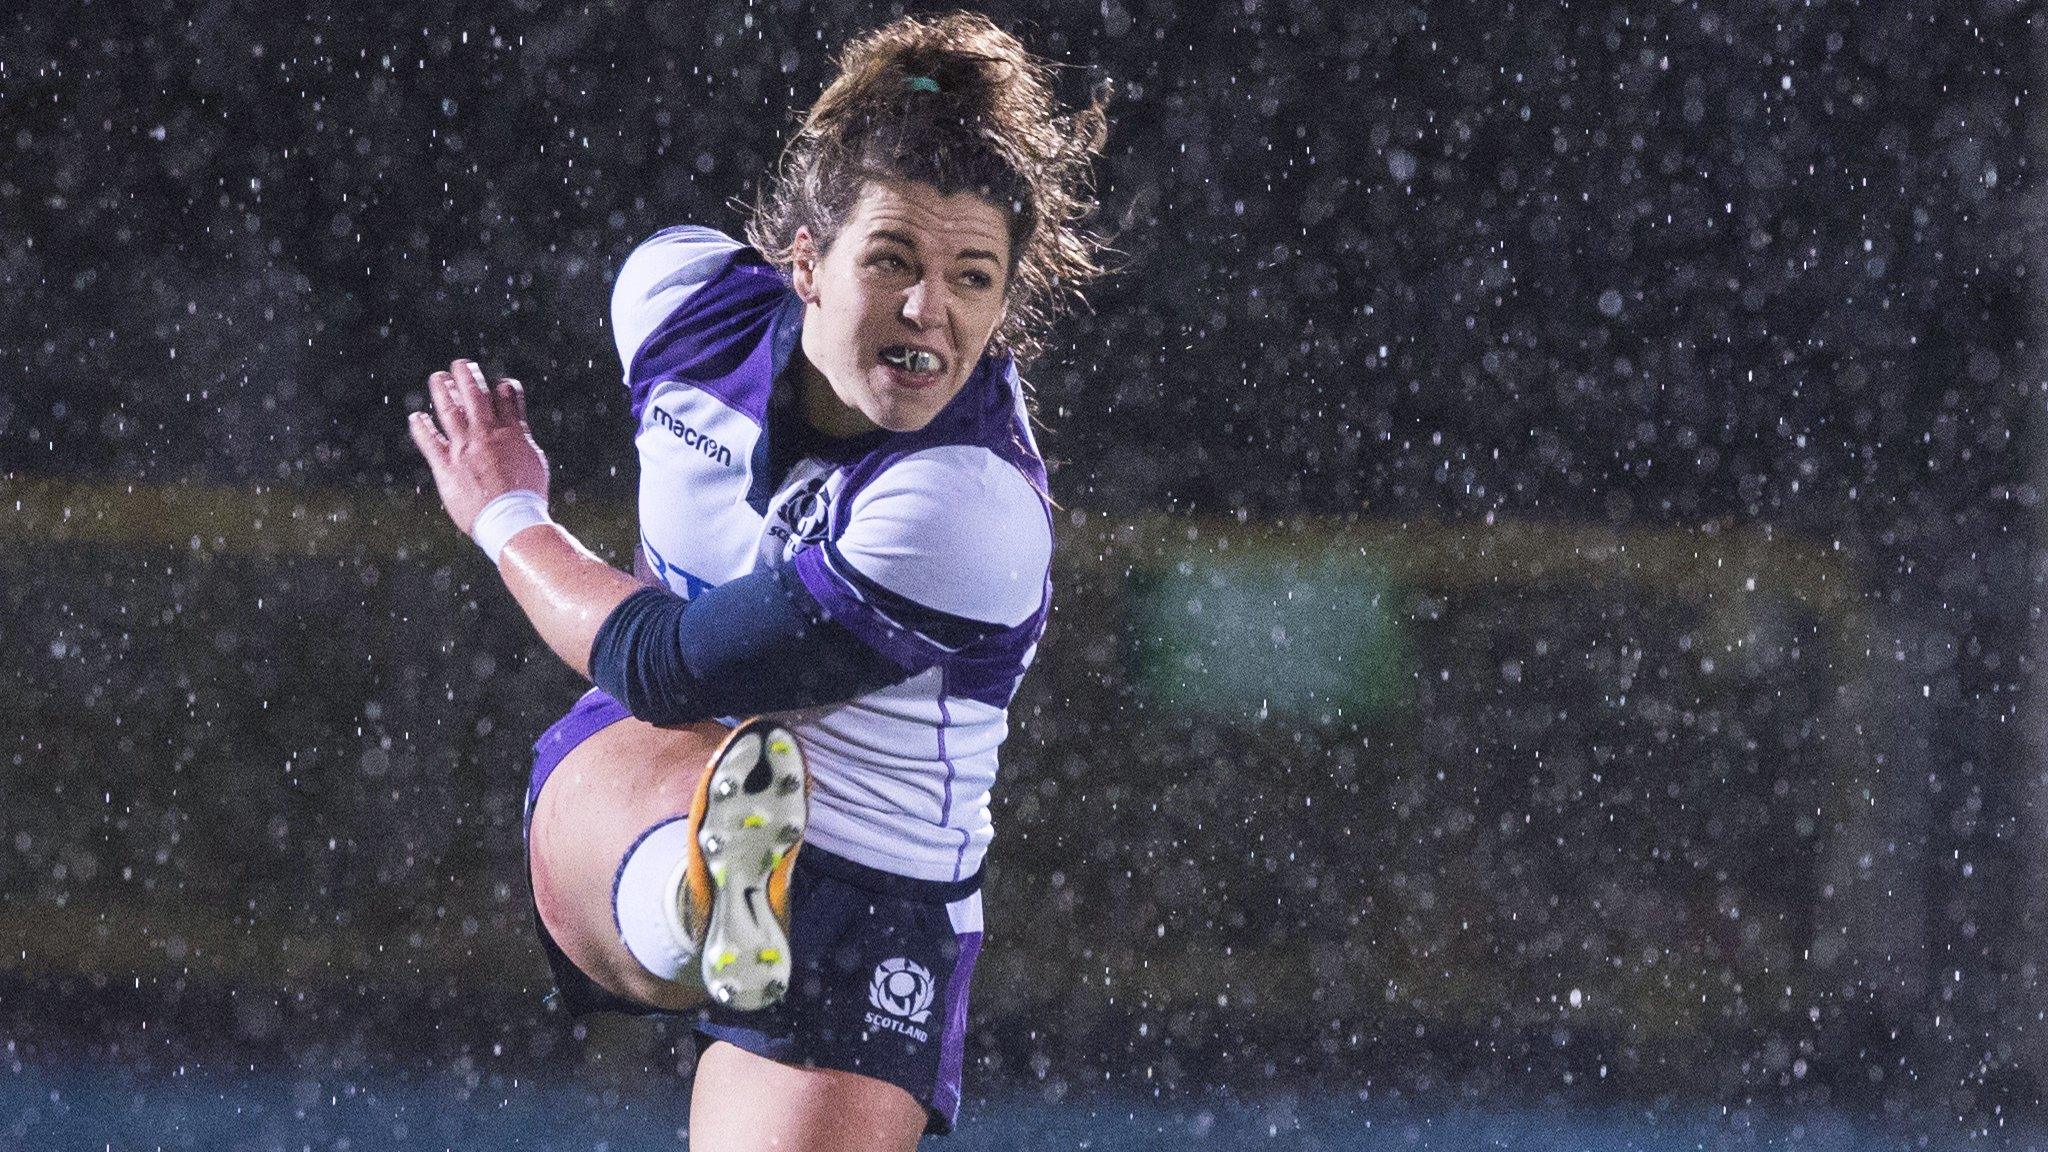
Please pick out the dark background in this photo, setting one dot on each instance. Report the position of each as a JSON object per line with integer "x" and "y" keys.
{"x": 1668, "y": 369}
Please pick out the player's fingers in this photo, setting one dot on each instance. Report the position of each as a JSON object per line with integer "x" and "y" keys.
{"x": 426, "y": 437}
{"x": 471, "y": 390}
{"x": 512, "y": 401}
{"x": 447, "y": 409}
{"x": 497, "y": 403}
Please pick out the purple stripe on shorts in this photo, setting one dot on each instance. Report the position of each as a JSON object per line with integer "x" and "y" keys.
{"x": 596, "y": 711}
{"x": 953, "y": 1045}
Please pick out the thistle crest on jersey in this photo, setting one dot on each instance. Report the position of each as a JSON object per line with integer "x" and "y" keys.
{"x": 800, "y": 515}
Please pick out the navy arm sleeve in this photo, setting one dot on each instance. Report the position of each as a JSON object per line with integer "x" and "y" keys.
{"x": 756, "y": 644}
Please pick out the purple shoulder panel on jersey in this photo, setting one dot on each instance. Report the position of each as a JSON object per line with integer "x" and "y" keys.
{"x": 984, "y": 414}
{"x": 991, "y": 670}
{"x": 721, "y": 339}
{"x": 842, "y": 603}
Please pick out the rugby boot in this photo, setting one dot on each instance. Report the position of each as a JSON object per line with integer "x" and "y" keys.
{"x": 732, "y": 889}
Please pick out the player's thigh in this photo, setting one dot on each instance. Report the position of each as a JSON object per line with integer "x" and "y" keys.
{"x": 747, "y": 1103}
{"x": 614, "y": 786}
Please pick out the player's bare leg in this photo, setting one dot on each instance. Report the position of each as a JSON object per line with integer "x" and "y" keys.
{"x": 667, "y": 833}
{"x": 748, "y": 1103}
{"x": 623, "y": 780}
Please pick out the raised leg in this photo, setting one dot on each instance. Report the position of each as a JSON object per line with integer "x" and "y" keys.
{"x": 614, "y": 786}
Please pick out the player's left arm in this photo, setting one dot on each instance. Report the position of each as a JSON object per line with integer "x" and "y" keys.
{"x": 493, "y": 482}
{"x": 945, "y": 548}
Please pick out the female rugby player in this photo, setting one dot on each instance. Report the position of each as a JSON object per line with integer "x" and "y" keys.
{"x": 844, "y": 530}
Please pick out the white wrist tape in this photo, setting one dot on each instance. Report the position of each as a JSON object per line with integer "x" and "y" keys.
{"x": 506, "y": 517}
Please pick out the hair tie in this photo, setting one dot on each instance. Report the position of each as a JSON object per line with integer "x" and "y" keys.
{"x": 922, "y": 84}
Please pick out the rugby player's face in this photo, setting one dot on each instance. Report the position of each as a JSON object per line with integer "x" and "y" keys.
{"x": 900, "y": 308}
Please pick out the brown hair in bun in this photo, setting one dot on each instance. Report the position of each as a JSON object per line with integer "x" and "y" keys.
{"x": 957, "y": 103}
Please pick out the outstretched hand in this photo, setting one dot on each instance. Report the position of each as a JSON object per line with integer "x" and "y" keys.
{"x": 482, "y": 447}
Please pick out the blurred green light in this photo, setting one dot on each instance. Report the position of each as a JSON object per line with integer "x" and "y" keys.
{"x": 1265, "y": 631}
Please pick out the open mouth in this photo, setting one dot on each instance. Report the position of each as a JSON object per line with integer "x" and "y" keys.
{"x": 916, "y": 361}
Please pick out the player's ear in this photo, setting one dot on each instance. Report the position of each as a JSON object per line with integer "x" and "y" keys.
{"x": 803, "y": 265}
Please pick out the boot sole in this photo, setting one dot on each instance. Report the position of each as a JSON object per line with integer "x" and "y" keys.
{"x": 754, "y": 816}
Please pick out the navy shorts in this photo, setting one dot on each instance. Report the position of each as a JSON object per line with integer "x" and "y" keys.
{"x": 881, "y": 964}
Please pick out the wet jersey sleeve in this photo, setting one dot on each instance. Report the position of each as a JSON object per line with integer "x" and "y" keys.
{"x": 658, "y": 277}
{"x": 752, "y": 645}
{"x": 946, "y": 547}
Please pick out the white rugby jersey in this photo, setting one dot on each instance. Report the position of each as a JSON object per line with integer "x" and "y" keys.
{"x": 934, "y": 547}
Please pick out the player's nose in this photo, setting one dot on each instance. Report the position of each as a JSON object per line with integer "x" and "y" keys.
{"x": 925, "y": 303}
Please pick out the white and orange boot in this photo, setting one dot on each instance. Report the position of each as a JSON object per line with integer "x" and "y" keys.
{"x": 732, "y": 888}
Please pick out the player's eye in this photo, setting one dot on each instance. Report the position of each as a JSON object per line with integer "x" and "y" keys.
{"x": 977, "y": 279}
{"x": 888, "y": 262}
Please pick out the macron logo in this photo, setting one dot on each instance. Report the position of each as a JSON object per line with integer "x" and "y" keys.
{"x": 692, "y": 438}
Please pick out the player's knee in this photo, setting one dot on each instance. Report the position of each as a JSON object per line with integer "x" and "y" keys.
{"x": 605, "y": 834}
